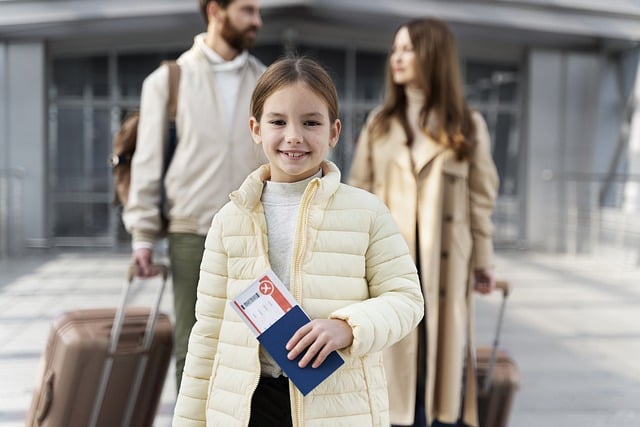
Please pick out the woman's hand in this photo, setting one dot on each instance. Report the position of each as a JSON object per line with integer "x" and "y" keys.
{"x": 484, "y": 282}
{"x": 319, "y": 337}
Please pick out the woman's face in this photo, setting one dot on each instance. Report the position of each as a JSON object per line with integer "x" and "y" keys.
{"x": 402, "y": 59}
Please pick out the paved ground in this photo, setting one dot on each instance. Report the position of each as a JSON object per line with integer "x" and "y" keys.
{"x": 572, "y": 324}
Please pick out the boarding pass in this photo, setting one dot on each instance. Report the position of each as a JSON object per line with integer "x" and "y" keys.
{"x": 264, "y": 301}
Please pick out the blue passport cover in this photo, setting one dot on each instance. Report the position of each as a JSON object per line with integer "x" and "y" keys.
{"x": 274, "y": 340}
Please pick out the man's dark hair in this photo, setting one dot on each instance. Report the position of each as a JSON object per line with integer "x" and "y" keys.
{"x": 204, "y": 3}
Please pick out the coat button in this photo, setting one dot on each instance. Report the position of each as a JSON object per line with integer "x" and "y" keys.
{"x": 448, "y": 217}
{"x": 452, "y": 179}
{"x": 444, "y": 254}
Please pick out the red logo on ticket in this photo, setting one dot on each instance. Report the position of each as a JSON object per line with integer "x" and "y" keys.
{"x": 268, "y": 288}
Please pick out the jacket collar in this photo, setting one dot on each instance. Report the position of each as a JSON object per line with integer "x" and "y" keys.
{"x": 247, "y": 197}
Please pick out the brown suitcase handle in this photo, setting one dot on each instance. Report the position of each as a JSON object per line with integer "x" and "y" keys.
{"x": 45, "y": 403}
{"x": 114, "y": 338}
{"x": 157, "y": 269}
{"x": 503, "y": 286}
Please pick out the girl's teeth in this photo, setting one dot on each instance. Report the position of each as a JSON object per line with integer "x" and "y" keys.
{"x": 294, "y": 154}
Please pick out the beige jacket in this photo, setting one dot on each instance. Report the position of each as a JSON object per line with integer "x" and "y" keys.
{"x": 350, "y": 263}
{"x": 451, "y": 203}
{"x": 212, "y": 157}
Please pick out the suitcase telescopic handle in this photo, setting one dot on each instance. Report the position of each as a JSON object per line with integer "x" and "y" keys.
{"x": 114, "y": 338}
{"x": 503, "y": 286}
{"x": 116, "y": 330}
{"x": 156, "y": 269}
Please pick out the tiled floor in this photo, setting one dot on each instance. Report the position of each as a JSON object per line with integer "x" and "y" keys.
{"x": 30, "y": 302}
{"x": 572, "y": 324}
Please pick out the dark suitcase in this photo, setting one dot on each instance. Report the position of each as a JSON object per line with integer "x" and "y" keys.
{"x": 104, "y": 367}
{"x": 497, "y": 377}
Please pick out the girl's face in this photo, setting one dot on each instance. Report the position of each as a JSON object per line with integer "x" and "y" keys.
{"x": 402, "y": 59}
{"x": 295, "y": 132}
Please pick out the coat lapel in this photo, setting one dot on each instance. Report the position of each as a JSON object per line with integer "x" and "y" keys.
{"x": 398, "y": 150}
{"x": 424, "y": 152}
{"x": 415, "y": 158}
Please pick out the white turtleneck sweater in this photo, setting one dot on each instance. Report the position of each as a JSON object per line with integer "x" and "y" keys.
{"x": 415, "y": 101}
{"x": 281, "y": 202}
{"x": 225, "y": 73}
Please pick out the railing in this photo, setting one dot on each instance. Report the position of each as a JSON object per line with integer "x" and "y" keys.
{"x": 596, "y": 216}
{"x": 11, "y": 186}
{"x": 506, "y": 220}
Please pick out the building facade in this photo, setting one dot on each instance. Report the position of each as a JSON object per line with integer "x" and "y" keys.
{"x": 556, "y": 81}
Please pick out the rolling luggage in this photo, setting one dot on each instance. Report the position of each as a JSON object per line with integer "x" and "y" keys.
{"x": 104, "y": 367}
{"x": 497, "y": 376}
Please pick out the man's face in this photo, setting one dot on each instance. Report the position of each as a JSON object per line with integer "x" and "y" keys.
{"x": 241, "y": 23}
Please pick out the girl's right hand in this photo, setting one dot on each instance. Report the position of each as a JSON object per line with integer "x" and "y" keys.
{"x": 319, "y": 337}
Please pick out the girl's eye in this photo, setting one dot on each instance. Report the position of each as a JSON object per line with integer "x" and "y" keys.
{"x": 277, "y": 122}
{"x": 311, "y": 123}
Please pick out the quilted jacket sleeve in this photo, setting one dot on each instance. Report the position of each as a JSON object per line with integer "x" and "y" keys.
{"x": 483, "y": 190}
{"x": 396, "y": 304}
{"x": 190, "y": 406}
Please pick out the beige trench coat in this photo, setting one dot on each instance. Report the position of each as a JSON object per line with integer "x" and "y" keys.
{"x": 451, "y": 203}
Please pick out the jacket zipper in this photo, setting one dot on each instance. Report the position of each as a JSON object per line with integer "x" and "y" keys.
{"x": 300, "y": 244}
{"x": 255, "y": 384}
{"x": 266, "y": 258}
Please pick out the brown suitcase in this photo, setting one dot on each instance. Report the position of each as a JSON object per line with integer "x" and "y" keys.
{"x": 497, "y": 377}
{"x": 104, "y": 367}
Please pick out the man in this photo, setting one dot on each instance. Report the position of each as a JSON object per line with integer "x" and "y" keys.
{"x": 214, "y": 153}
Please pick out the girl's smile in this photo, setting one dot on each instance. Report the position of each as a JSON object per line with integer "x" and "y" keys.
{"x": 295, "y": 131}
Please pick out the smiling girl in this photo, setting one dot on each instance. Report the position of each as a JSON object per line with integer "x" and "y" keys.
{"x": 335, "y": 247}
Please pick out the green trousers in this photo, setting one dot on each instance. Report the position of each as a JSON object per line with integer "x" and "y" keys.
{"x": 185, "y": 255}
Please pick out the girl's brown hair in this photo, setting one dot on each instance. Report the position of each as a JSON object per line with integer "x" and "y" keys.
{"x": 287, "y": 71}
{"x": 438, "y": 76}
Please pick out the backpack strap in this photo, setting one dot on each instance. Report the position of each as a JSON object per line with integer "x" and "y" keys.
{"x": 174, "y": 84}
{"x": 172, "y": 132}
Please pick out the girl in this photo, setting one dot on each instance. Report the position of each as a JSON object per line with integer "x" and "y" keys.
{"x": 427, "y": 156}
{"x": 335, "y": 247}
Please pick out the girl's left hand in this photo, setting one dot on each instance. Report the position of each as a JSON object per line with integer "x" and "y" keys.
{"x": 319, "y": 337}
{"x": 484, "y": 282}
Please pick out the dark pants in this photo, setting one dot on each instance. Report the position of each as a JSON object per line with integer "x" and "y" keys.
{"x": 270, "y": 405}
{"x": 420, "y": 421}
{"x": 185, "y": 254}
{"x": 437, "y": 423}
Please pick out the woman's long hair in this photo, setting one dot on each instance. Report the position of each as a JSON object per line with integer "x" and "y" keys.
{"x": 445, "y": 115}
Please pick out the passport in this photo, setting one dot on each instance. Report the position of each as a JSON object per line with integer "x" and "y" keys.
{"x": 274, "y": 340}
{"x": 270, "y": 311}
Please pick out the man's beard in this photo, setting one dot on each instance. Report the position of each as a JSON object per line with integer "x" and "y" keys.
{"x": 239, "y": 40}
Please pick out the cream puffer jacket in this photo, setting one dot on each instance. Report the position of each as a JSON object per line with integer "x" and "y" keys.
{"x": 349, "y": 262}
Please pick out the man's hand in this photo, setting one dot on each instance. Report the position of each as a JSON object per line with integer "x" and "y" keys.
{"x": 484, "y": 282}
{"x": 142, "y": 257}
{"x": 319, "y": 337}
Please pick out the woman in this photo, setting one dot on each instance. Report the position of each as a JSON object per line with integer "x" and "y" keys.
{"x": 427, "y": 155}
